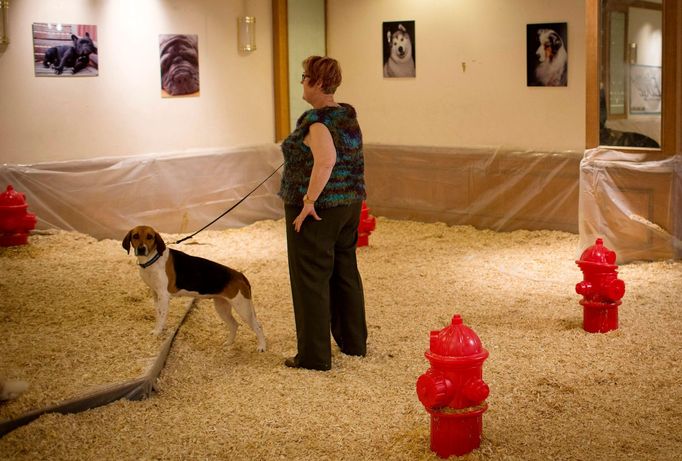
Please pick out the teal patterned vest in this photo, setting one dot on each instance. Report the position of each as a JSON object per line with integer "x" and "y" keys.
{"x": 346, "y": 184}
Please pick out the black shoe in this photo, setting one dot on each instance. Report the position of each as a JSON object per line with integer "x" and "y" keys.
{"x": 292, "y": 362}
{"x": 354, "y": 353}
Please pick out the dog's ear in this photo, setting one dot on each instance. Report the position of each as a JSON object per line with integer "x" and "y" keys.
{"x": 555, "y": 41}
{"x": 388, "y": 36}
{"x": 126, "y": 241}
{"x": 401, "y": 28}
{"x": 74, "y": 38}
{"x": 160, "y": 245}
{"x": 87, "y": 34}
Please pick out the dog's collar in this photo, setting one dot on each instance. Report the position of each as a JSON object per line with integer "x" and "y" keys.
{"x": 151, "y": 261}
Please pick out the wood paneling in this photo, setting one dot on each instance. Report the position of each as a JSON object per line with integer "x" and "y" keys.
{"x": 671, "y": 79}
{"x": 632, "y": 204}
{"x": 281, "y": 68}
{"x": 488, "y": 189}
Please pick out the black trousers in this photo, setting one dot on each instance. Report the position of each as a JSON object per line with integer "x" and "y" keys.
{"x": 326, "y": 287}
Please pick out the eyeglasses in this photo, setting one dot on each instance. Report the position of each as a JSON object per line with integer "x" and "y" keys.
{"x": 304, "y": 76}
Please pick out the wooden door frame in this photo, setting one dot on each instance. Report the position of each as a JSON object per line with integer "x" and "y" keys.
{"x": 606, "y": 69}
{"x": 671, "y": 79}
{"x": 280, "y": 62}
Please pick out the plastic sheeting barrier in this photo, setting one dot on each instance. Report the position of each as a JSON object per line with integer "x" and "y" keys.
{"x": 633, "y": 204}
{"x": 174, "y": 193}
{"x": 487, "y": 187}
{"x": 629, "y": 202}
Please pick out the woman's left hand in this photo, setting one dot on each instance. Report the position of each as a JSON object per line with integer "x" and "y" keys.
{"x": 308, "y": 210}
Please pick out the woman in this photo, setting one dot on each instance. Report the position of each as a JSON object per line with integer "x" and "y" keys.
{"x": 323, "y": 187}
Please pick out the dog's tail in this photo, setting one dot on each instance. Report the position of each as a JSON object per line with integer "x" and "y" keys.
{"x": 12, "y": 388}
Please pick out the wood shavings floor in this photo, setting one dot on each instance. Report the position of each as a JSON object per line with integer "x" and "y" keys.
{"x": 74, "y": 315}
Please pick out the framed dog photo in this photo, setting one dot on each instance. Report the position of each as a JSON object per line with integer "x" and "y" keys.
{"x": 179, "y": 65}
{"x": 399, "y": 48}
{"x": 65, "y": 50}
{"x": 547, "y": 54}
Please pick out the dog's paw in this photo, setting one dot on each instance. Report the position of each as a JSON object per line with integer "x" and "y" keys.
{"x": 12, "y": 388}
{"x": 156, "y": 332}
{"x": 261, "y": 347}
{"x": 231, "y": 334}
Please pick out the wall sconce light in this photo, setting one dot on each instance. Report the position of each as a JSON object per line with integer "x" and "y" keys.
{"x": 246, "y": 33}
{"x": 633, "y": 53}
{"x": 4, "y": 20}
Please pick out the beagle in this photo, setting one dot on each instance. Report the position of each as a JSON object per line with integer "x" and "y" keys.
{"x": 169, "y": 272}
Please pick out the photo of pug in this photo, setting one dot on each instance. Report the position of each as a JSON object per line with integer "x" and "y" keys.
{"x": 179, "y": 65}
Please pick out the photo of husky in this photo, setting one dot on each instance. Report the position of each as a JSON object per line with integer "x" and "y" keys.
{"x": 399, "y": 49}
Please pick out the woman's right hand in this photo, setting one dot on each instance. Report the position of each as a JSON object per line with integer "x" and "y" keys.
{"x": 308, "y": 210}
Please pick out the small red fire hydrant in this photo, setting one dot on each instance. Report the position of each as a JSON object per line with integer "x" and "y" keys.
{"x": 367, "y": 224}
{"x": 15, "y": 220}
{"x": 601, "y": 288}
{"x": 452, "y": 389}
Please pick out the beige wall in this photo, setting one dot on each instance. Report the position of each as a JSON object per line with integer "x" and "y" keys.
{"x": 488, "y": 104}
{"x": 120, "y": 112}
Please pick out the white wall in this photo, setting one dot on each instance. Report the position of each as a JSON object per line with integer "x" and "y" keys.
{"x": 645, "y": 28}
{"x": 487, "y": 104}
{"x": 121, "y": 112}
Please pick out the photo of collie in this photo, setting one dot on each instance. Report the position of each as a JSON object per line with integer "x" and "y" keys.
{"x": 547, "y": 54}
{"x": 179, "y": 65}
{"x": 399, "y": 49}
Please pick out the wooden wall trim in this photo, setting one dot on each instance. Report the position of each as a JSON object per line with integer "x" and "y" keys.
{"x": 592, "y": 73}
{"x": 326, "y": 28}
{"x": 677, "y": 180}
{"x": 280, "y": 54}
{"x": 679, "y": 76}
{"x": 670, "y": 81}
{"x": 488, "y": 188}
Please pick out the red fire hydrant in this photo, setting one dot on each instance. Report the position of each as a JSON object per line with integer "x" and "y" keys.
{"x": 15, "y": 220}
{"x": 367, "y": 224}
{"x": 452, "y": 389}
{"x": 601, "y": 288}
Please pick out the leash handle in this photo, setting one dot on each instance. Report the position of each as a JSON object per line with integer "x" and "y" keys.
{"x": 232, "y": 207}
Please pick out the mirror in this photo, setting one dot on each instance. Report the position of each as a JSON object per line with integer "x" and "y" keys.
{"x": 307, "y": 37}
{"x": 630, "y": 87}
{"x": 298, "y": 30}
